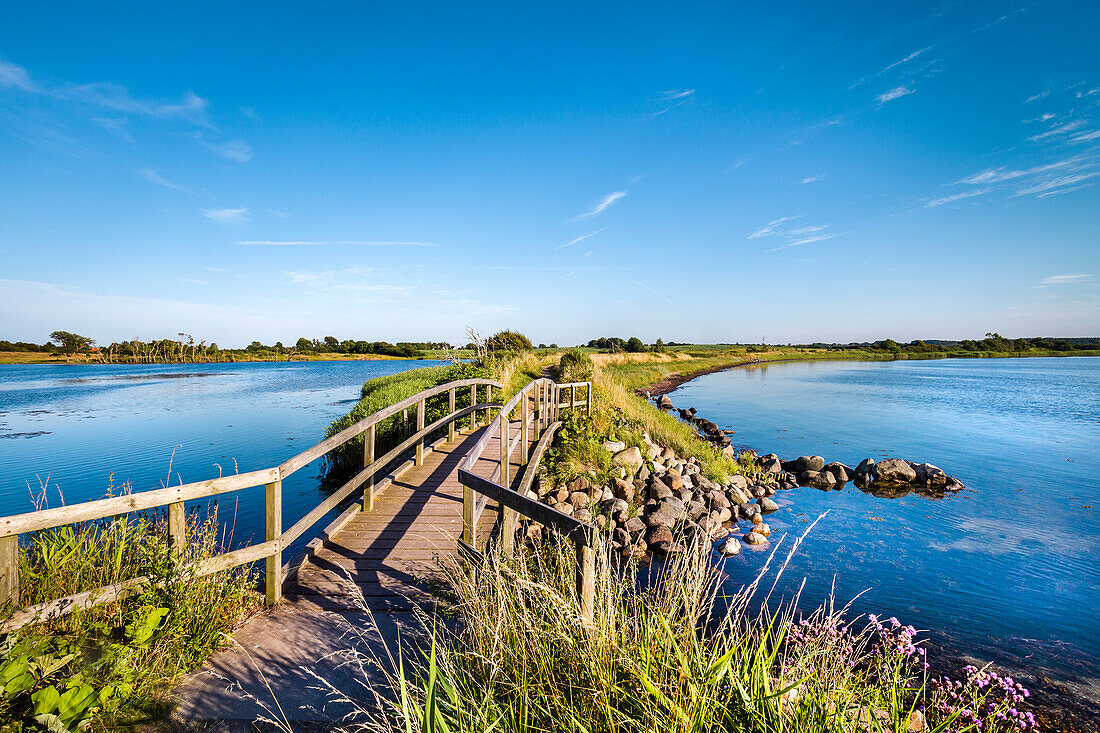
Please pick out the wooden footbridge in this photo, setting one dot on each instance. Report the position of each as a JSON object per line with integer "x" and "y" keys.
{"x": 425, "y": 497}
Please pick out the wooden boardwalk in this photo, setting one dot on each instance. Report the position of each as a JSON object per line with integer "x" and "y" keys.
{"x": 388, "y": 558}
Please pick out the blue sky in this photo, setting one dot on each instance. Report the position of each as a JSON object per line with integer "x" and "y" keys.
{"x": 695, "y": 172}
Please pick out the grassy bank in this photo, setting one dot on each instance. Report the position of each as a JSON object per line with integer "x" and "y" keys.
{"x": 111, "y": 664}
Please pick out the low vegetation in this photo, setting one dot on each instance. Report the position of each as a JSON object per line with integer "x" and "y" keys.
{"x": 111, "y": 663}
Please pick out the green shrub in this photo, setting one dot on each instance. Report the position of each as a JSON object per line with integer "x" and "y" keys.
{"x": 575, "y": 365}
{"x": 508, "y": 341}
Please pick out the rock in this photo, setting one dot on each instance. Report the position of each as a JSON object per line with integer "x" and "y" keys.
{"x": 685, "y": 415}
{"x": 704, "y": 483}
{"x": 917, "y": 723}
{"x": 667, "y": 455}
{"x": 864, "y": 467}
{"x": 634, "y": 526}
{"x": 819, "y": 479}
{"x": 762, "y": 529}
{"x": 754, "y": 538}
{"x": 643, "y": 473}
{"x": 614, "y": 446}
{"x": 560, "y": 495}
{"x": 595, "y": 493}
{"x": 658, "y": 489}
{"x": 713, "y": 528}
{"x": 716, "y": 498}
{"x": 808, "y": 463}
{"x": 737, "y": 496}
{"x": 664, "y": 402}
{"x": 652, "y": 451}
{"x": 674, "y": 481}
{"x": 578, "y": 499}
{"x": 758, "y": 491}
{"x": 724, "y": 514}
{"x": 600, "y": 521}
{"x": 659, "y": 536}
{"x": 749, "y": 509}
{"x": 630, "y": 459}
{"x": 565, "y": 508}
{"x": 696, "y": 510}
{"x": 580, "y": 483}
{"x": 770, "y": 463}
{"x": 727, "y": 450}
{"x": 737, "y": 481}
{"x": 862, "y": 480}
{"x": 840, "y": 472}
{"x": 893, "y": 471}
{"x": 929, "y": 475}
{"x": 622, "y": 489}
{"x": 583, "y": 514}
{"x": 730, "y": 547}
{"x": 807, "y": 478}
{"x": 767, "y": 505}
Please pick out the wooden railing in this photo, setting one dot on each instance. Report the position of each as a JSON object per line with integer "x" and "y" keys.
{"x": 276, "y": 539}
{"x": 545, "y": 396}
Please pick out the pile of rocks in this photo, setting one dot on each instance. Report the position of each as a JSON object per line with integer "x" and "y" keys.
{"x": 890, "y": 477}
{"x": 658, "y": 501}
{"x": 707, "y": 429}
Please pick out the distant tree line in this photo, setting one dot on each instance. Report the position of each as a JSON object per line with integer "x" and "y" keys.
{"x": 632, "y": 345}
{"x": 187, "y": 349}
{"x": 992, "y": 342}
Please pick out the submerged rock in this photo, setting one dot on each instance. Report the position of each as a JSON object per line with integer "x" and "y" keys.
{"x": 730, "y": 547}
{"x": 893, "y": 470}
{"x": 755, "y": 538}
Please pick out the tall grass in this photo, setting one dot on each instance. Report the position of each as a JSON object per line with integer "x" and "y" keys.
{"x": 121, "y": 655}
{"x": 666, "y": 654}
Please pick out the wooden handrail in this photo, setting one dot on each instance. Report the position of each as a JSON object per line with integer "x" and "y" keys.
{"x": 276, "y": 539}
{"x": 585, "y": 535}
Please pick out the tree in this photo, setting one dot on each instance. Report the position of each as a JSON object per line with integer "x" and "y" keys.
{"x": 303, "y": 344}
{"x": 634, "y": 345}
{"x": 332, "y": 343}
{"x": 509, "y": 341}
{"x": 659, "y": 347}
{"x": 71, "y": 343}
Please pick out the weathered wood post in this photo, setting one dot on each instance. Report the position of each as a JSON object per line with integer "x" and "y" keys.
{"x": 524, "y": 418}
{"x": 572, "y": 397}
{"x": 473, "y": 401}
{"x": 177, "y": 528}
{"x": 469, "y": 530}
{"x": 507, "y": 515}
{"x": 368, "y": 458}
{"x": 405, "y": 432}
{"x": 420, "y": 426}
{"x": 586, "y": 579}
{"x": 451, "y": 411}
{"x": 9, "y": 569}
{"x": 588, "y": 399}
{"x": 274, "y": 561}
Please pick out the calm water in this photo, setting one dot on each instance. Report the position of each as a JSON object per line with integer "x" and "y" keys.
{"x": 1006, "y": 570}
{"x": 72, "y": 426}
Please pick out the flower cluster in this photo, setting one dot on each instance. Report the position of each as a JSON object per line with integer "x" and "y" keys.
{"x": 984, "y": 700}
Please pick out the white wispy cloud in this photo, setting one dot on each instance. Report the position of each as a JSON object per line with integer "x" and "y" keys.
{"x": 315, "y": 243}
{"x": 792, "y": 236}
{"x": 770, "y": 227}
{"x": 905, "y": 60}
{"x": 153, "y": 177}
{"x": 602, "y": 206}
{"x": 1064, "y": 129}
{"x": 895, "y": 93}
{"x": 15, "y": 77}
{"x": 672, "y": 99}
{"x": 812, "y": 179}
{"x": 955, "y": 197}
{"x": 1056, "y": 185}
{"x": 659, "y": 294}
{"x": 349, "y": 280}
{"x": 1065, "y": 279}
{"x": 226, "y": 217}
{"x": 1049, "y": 179}
{"x": 237, "y": 150}
{"x": 579, "y": 239}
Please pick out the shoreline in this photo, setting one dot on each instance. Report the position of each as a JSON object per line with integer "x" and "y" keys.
{"x": 97, "y": 362}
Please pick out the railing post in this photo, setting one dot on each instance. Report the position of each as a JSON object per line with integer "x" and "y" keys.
{"x": 405, "y": 423}
{"x": 572, "y": 397}
{"x": 505, "y": 466}
{"x": 473, "y": 401}
{"x": 524, "y": 417}
{"x": 451, "y": 411}
{"x": 488, "y": 399}
{"x": 469, "y": 531}
{"x": 588, "y": 399}
{"x": 9, "y": 570}
{"x": 274, "y": 562}
{"x": 177, "y": 528}
{"x": 420, "y": 426}
{"x": 586, "y": 579}
{"x": 368, "y": 458}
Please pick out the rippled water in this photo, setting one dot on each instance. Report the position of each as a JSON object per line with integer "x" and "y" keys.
{"x": 1005, "y": 570}
{"x": 73, "y": 426}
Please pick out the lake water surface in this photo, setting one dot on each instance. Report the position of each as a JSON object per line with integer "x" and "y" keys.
{"x": 74, "y": 426}
{"x": 1008, "y": 569}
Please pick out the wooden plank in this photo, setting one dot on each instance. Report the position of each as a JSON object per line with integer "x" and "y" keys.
{"x": 567, "y": 525}
{"x": 368, "y": 459}
{"x": 9, "y": 570}
{"x": 177, "y": 528}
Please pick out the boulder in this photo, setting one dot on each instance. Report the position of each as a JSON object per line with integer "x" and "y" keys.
{"x": 730, "y": 547}
{"x": 578, "y": 499}
{"x": 820, "y": 480}
{"x": 634, "y": 526}
{"x": 717, "y": 499}
{"x": 614, "y": 446}
{"x": 737, "y": 481}
{"x": 674, "y": 481}
{"x": 754, "y": 538}
{"x": 808, "y": 463}
{"x": 723, "y": 514}
{"x": 580, "y": 483}
{"x": 762, "y": 529}
{"x": 756, "y": 519}
{"x": 748, "y": 509}
{"x": 769, "y": 463}
{"x": 664, "y": 402}
{"x": 929, "y": 475}
{"x": 807, "y": 478}
{"x": 767, "y": 505}
{"x": 659, "y": 536}
{"x": 622, "y": 489}
{"x": 583, "y": 514}
{"x": 737, "y": 496}
{"x": 696, "y": 510}
{"x": 713, "y": 528}
{"x": 704, "y": 483}
{"x": 658, "y": 489}
{"x": 840, "y": 472}
{"x": 893, "y": 471}
{"x": 758, "y": 491}
{"x": 630, "y": 459}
